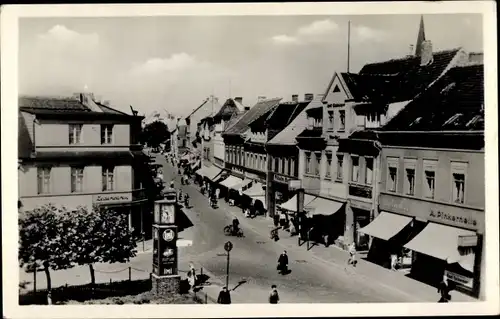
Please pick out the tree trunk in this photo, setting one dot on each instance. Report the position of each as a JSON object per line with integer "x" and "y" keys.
{"x": 47, "y": 274}
{"x": 92, "y": 274}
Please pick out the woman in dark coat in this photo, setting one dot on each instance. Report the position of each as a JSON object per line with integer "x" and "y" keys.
{"x": 224, "y": 297}
{"x": 283, "y": 263}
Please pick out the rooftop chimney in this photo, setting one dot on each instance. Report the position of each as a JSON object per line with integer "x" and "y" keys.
{"x": 426, "y": 53}
{"x": 105, "y": 102}
{"x": 261, "y": 98}
{"x": 87, "y": 99}
{"x": 295, "y": 98}
{"x": 247, "y": 108}
{"x": 320, "y": 97}
{"x": 308, "y": 97}
{"x": 411, "y": 51}
{"x": 239, "y": 99}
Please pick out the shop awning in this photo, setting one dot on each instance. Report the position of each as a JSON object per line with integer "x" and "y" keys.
{"x": 195, "y": 164}
{"x": 386, "y": 225}
{"x": 439, "y": 241}
{"x": 202, "y": 171}
{"x": 231, "y": 181}
{"x": 291, "y": 204}
{"x": 255, "y": 190}
{"x": 467, "y": 262}
{"x": 261, "y": 198}
{"x": 244, "y": 183}
{"x": 322, "y": 206}
{"x": 212, "y": 172}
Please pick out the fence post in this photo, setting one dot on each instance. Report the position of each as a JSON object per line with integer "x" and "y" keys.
{"x": 129, "y": 273}
{"x": 34, "y": 281}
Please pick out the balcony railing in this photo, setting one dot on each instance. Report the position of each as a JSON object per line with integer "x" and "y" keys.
{"x": 359, "y": 190}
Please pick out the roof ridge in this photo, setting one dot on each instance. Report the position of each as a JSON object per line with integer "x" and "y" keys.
{"x": 411, "y": 57}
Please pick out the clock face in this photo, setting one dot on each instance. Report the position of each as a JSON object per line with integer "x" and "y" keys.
{"x": 167, "y": 214}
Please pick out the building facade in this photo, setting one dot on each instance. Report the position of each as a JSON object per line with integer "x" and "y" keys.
{"x": 246, "y": 158}
{"x": 282, "y": 127}
{"x": 77, "y": 152}
{"x": 208, "y": 108}
{"x": 428, "y": 153}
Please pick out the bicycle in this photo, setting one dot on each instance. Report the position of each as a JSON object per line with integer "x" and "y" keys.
{"x": 229, "y": 231}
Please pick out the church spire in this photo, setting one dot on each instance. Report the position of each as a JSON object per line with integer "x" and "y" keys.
{"x": 420, "y": 37}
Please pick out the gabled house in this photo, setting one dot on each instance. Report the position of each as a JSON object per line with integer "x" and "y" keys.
{"x": 431, "y": 178}
{"x": 247, "y": 162}
{"x": 282, "y": 126}
{"x": 212, "y": 127}
{"x": 209, "y": 107}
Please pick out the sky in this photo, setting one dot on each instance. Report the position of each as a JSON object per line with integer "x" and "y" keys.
{"x": 175, "y": 62}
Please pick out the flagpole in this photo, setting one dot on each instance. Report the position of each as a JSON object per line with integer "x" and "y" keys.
{"x": 348, "y": 44}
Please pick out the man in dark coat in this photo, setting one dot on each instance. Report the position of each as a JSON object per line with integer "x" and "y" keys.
{"x": 224, "y": 297}
{"x": 283, "y": 262}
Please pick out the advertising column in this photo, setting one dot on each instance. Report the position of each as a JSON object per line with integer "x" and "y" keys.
{"x": 165, "y": 277}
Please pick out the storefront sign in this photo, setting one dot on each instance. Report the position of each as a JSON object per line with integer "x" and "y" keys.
{"x": 445, "y": 216}
{"x": 360, "y": 191}
{"x": 451, "y": 215}
{"x": 281, "y": 178}
{"x": 460, "y": 279}
{"x": 112, "y": 198}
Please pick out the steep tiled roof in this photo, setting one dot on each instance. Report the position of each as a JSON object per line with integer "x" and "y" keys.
{"x": 314, "y": 132}
{"x": 453, "y": 103}
{"x": 297, "y": 125}
{"x": 398, "y": 79}
{"x": 61, "y": 105}
{"x": 227, "y": 110}
{"x": 251, "y": 115}
{"x": 284, "y": 114}
{"x": 52, "y": 103}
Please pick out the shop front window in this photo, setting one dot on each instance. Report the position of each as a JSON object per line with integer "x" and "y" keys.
{"x": 410, "y": 181}
{"x": 328, "y": 173}
{"x": 340, "y": 167}
{"x": 317, "y": 164}
{"x": 392, "y": 179}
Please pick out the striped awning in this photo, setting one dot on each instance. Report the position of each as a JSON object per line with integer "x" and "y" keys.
{"x": 256, "y": 190}
{"x": 322, "y": 206}
{"x": 231, "y": 181}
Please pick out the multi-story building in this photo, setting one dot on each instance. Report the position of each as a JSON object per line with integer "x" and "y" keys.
{"x": 354, "y": 102}
{"x": 432, "y": 183}
{"x": 78, "y": 152}
{"x": 212, "y": 128}
{"x": 209, "y": 107}
{"x": 282, "y": 126}
{"x": 247, "y": 162}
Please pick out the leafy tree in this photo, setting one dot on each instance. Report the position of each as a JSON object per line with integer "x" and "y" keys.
{"x": 155, "y": 133}
{"x": 45, "y": 239}
{"x": 102, "y": 236}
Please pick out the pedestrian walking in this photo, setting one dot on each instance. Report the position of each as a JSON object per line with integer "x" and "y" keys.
{"x": 192, "y": 269}
{"x": 217, "y": 193}
{"x": 224, "y": 297}
{"x": 49, "y": 298}
{"x": 274, "y": 297}
{"x": 283, "y": 263}
{"x": 352, "y": 255}
{"x": 291, "y": 227}
{"x": 191, "y": 280}
{"x": 444, "y": 290}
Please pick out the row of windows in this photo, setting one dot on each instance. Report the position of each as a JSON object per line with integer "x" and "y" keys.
{"x": 284, "y": 165}
{"x": 331, "y": 120}
{"x": 76, "y": 137}
{"x": 313, "y": 165}
{"x": 428, "y": 176}
{"x": 237, "y": 156}
{"x": 44, "y": 176}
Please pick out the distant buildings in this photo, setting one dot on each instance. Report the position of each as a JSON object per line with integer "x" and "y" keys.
{"x": 79, "y": 152}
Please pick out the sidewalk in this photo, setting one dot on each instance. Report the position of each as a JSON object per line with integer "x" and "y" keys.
{"x": 337, "y": 257}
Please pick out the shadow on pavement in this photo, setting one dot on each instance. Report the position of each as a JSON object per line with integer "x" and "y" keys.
{"x": 183, "y": 222}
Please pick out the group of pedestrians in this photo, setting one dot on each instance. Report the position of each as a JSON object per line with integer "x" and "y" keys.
{"x": 225, "y": 296}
